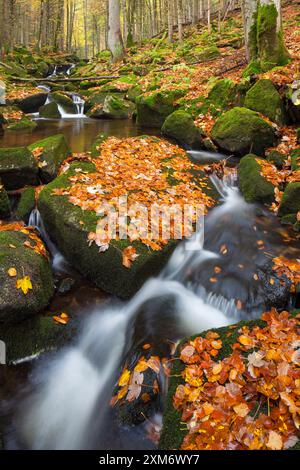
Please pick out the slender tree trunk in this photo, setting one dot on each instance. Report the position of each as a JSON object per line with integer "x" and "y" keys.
{"x": 115, "y": 40}
{"x": 180, "y": 20}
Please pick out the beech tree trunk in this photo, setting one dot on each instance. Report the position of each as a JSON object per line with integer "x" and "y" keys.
{"x": 115, "y": 40}
{"x": 264, "y": 34}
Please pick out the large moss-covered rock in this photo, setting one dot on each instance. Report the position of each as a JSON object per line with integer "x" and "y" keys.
{"x": 54, "y": 150}
{"x": 154, "y": 108}
{"x": 4, "y": 203}
{"x": 18, "y": 168}
{"x": 180, "y": 126}
{"x": 295, "y": 159}
{"x": 265, "y": 99}
{"x": 254, "y": 187}
{"x": 200, "y": 54}
{"x": 69, "y": 227}
{"x": 225, "y": 94}
{"x": 26, "y": 204}
{"x": 94, "y": 98}
{"x": 65, "y": 101}
{"x": 14, "y": 304}
{"x": 24, "y": 124}
{"x": 113, "y": 108}
{"x": 241, "y": 131}
{"x": 50, "y": 111}
{"x": 290, "y": 203}
{"x": 32, "y": 103}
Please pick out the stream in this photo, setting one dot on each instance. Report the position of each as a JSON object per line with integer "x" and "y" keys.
{"x": 60, "y": 400}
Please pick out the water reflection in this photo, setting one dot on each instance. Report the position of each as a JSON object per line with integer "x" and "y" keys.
{"x": 80, "y": 133}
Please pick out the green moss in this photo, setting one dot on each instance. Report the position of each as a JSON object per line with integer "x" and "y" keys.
{"x": 265, "y": 99}
{"x": 65, "y": 101}
{"x": 55, "y": 151}
{"x": 22, "y": 124}
{"x": 200, "y": 54}
{"x": 18, "y": 168}
{"x": 295, "y": 158}
{"x": 153, "y": 109}
{"x": 180, "y": 126}
{"x": 14, "y": 305}
{"x": 290, "y": 203}
{"x": 254, "y": 187}
{"x": 26, "y": 204}
{"x": 271, "y": 48}
{"x": 96, "y": 144}
{"x": 253, "y": 68}
{"x": 241, "y": 131}
{"x": 4, "y": 203}
{"x": 276, "y": 158}
{"x": 50, "y": 111}
{"x": 113, "y": 108}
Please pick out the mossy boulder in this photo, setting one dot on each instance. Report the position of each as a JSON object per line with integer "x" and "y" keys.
{"x": 276, "y": 158}
{"x": 290, "y": 203}
{"x": 200, "y": 54}
{"x": 32, "y": 103}
{"x": 254, "y": 187}
{"x": 113, "y": 108}
{"x": 65, "y": 101}
{"x": 181, "y": 127}
{"x": 50, "y": 111}
{"x": 295, "y": 159}
{"x": 241, "y": 130}
{"x": 26, "y": 204}
{"x": 154, "y": 108}
{"x": 18, "y": 168}
{"x": 14, "y": 304}
{"x": 94, "y": 98}
{"x": 265, "y": 99}
{"x": 4, "y": 203}
{"x": 70, "y": 226}
{"x": 226, "y": 94}
{"x": 24, "y": 124}
{"x": 100, "y": 138}
{"x": 54, "y": 151}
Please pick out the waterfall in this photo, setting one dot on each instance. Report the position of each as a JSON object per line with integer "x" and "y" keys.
{"x": 79, "y": 102}
{"x": 69, "y": 407}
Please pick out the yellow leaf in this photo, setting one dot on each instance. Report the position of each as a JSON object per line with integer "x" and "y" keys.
{"x": 274, "y": 441}
{"x": 12, "y": 272}
{"x": 24, "y": 284}
{"x": 124, "y": 379}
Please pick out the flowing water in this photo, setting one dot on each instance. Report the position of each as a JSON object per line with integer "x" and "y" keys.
{"x": 66, "y": 405}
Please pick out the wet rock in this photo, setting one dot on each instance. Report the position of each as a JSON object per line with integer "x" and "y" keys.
{"x": 241, "y": 131}
{"x": 112, "y": 108}
{"x": 50, "y": 111}
{"x": 4, "y": 203}
{"x": 66, "y": 285}
{"x": 32, "y": 103}
{"x": 181, "y": 127}
{"x": 18, "y": 168}
{"x": 22, "y": 124}
{"x": 153, "y": 109}
{"x": 265, "y": 99}
{"x": 14, "y": 304}
{"x": 94, "y": 98}
{"x": 65, "y": 101}
{"x": 254, "y": 187}
{"x": 54, "y": 150}
{"x": 26, "y": 205}
{"x": 290, "y": 203}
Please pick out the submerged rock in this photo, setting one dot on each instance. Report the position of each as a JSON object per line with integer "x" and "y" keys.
{"x": 265, "y": 99}
{"x": 154, "y": 108}
{"x": 50, "y": 111}
{"x": 181, "y": 127}
{"x": 53, "y": 151}
{"x": 254, "y": 187}
{"x": 15, "y": 305}
{"x": 241, "y": 131}
{"x": 18, "y": 168}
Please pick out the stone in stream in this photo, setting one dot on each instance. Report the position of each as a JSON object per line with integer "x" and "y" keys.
{"x": 290, "y": 203}
{"x": 181, "y": 127}
{"x": 26, "y": 205}
{"x": 65, "y": 101}
{"x": 53, "y": 151}
{"x": 265, "y": 99}
{"x": 175, "y": 422}
{"x": 253, "y": 185}
{"x": 70, "y": 227}
{"x": 50, "y": 111}
{"x": 15, "y": 119}
{"x": 15, "y": 305}
{"x": 241, "y": 130}
{"x": 18, "y": 168}
{"x": 32, "y": 103}
{"x": 4, "y": 203}
{"x": 113, "y": 107}
{"x": 155, "y": 107}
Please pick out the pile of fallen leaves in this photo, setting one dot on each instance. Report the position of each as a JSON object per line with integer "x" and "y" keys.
{"x": 149, "y": 172}
{"x": 289, "y": 268}
{"x": 248, "y": 400}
